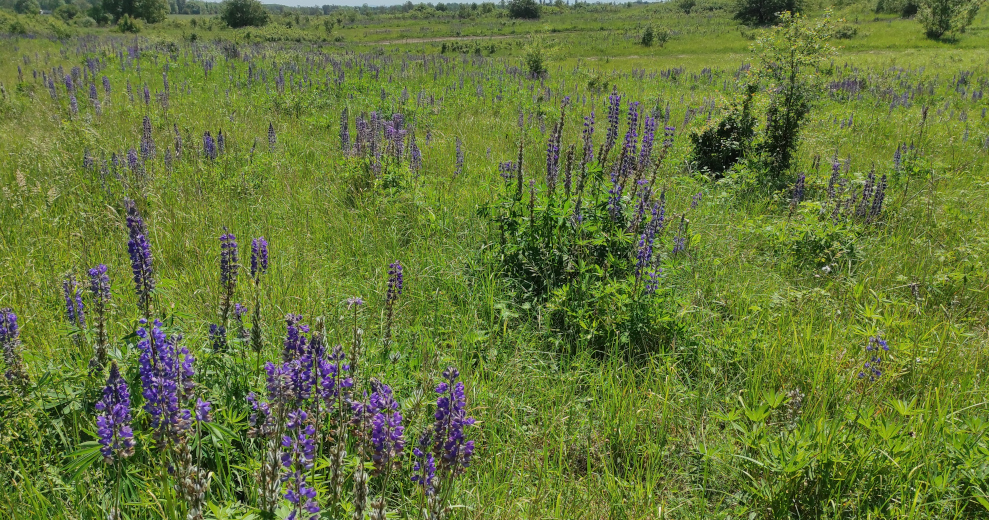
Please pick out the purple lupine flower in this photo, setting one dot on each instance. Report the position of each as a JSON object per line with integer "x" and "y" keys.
{"x": 424, "y": 469}
{"x": 163, "y": 381}
{"x": 451, "y": 448}
{"x": 415, "y": 154}
{"x": 387, "y": 432}
{"x": 209, "y": 146}
{"x": 114, "y": 418}
{"x": 614, "y": 115}
{"x": 873, "y": 367}
{"x": 147, "y": 140}
{"x": 345, "y": 131}
{"x": 652, "y": 281}
{"x": 296, "y": 344}
{"x": 648, "y": 135}
{"x": 271, "y": 137}
{"x": 798, "y": 191}
{"x": 680, "y": 240}
{"x": 106, "y": 88}
{"x": 99, "y": 287}
{"x": 229, "y": 268}
{"x": 696, "y": 200}
{"x": 354, "y": 301}
{"x": 644, "y": 257}
{"x": 147, "y": 95}
{"x": 95, "y": 99}
{"x": 299, "y": 446}
{"x": 221, "y": 142}
{"x": 396, "y": 282}
{"x": 878, "y": 197}
{"x": 460, "y": 159}
{"x": 11, "y": 344}
{"x": 141, "y": 260}
{"x": 218, "y": 337}
{"x": 74, "y": 308}
{"x": 259, "y": 258}
{"x": 203, "y": 409}
{"x": 334, "y": 381}
{"x": 588, "y": 135}
{"x": 73, "y": 104}
{"x": 507, "y": 170}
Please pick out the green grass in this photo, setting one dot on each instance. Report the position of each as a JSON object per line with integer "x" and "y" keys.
{"x": 679, "y": 433}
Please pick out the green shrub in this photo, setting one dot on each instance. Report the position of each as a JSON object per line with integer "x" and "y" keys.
{"x": 764, "y": 12}
{"x": 126, "y": 24}
{"x": 648, "y": 37}
{"x": 67, "y": 12}
{"x": 719, "y": 144}
{"x": 524, "y": 9}
{"x": 946, "y": 17}
{"x": 248, "y": 13}
{"x": 27, "y": 7}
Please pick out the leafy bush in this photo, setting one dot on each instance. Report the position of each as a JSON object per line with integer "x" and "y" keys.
{"x": 764, "y": 12}
{"x": 904, "y": 8}
{"x": 126, "y": 24}
{"x": 587, "y": 249}
{"x": 648, "y": 37}
{"x": 946, "y": 17}
{"x": 534, "y": 57}
{"x": 248, "y": 13}
{"x": 67, "y": 12}
{"x": 719, "y": 144}
{"x": 524, "y": 9}
{"x": 27, "y": 7}
{"x": 845, "y": 31}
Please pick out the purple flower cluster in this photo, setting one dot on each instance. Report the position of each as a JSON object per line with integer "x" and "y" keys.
{"x": 395, "y": 282}
{"x": 74, "y": 308}
{"x": 166, "y": 381}
{"x": 229, "y": 268}
{"x": 209, "y": 147}
{"x": 873, "y": 367}
{"x": 10, "y": 343}
{"x": 259, "y": 258}
{"x": 444, "y": 452}
{"x": 99, "y": 287}
{"x": 387, "y": 432}
{"x": 300, "y": 450}
{"x": 113, "y": 422}
{"x": 139, "y": 249}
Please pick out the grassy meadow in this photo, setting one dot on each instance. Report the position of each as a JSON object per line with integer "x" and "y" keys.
{"x": 749, "y": 404}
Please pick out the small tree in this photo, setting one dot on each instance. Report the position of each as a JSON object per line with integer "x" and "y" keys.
{"x": 648, "y": 37}
{"x": 946, "y": 17}
{"x": 764, "y": 12}
{"x": 525, "y": 9}
{"x": 247, "y": 13}
{"x": 151, "y": 11}
{"x": 27, "y": 7}
{"x": 789, "y": 56}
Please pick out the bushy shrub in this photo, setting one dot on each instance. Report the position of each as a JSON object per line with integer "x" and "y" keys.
{"x": 721, "y": 143}
{"x": 247, "y": 13}
{"x": 27, "y": 7}
{"x": 67, "y": 12}
{"x": 524, "y": 9}
{"x": 946, "y": 17}
{"x": 126, "y": 24}
{"x": 588, "y": 248}
{"x": 764, "y": 12}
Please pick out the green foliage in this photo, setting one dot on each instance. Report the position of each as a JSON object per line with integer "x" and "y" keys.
{"x": 524, "y": 9}
{"x": 904, "y": 8}
{"x": 942, "y": 18}
{"x": 27, "y": 7}
{"x": 789, "y": 57}
{"x": 249, "y": 13}
{"x": 151, "y": 11}
{"x": 686, "y": 5}
{"x": 764, "y": 12}
{"x": 534, "y": 58}
{"x": 648, "y": 37}
{"x": 721, "y": 143}
{"x": 126, "y": 24}
{"x": 67, "y": 12}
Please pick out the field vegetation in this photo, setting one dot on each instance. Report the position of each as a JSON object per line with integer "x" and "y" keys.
{"x": 494, "y": 261}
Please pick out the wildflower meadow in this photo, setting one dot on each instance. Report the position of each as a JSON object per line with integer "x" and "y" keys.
{"x": 625, "y": 261}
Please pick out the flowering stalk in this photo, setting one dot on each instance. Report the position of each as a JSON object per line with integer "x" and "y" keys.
{"x": 139, "y": 249}
{"x": 395, "y": 286}
{"x": 99, "y": 287}
{"x": 11, "y": 344}
{"x": 300, "y": 450}
{"x": 229, "y": 268}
